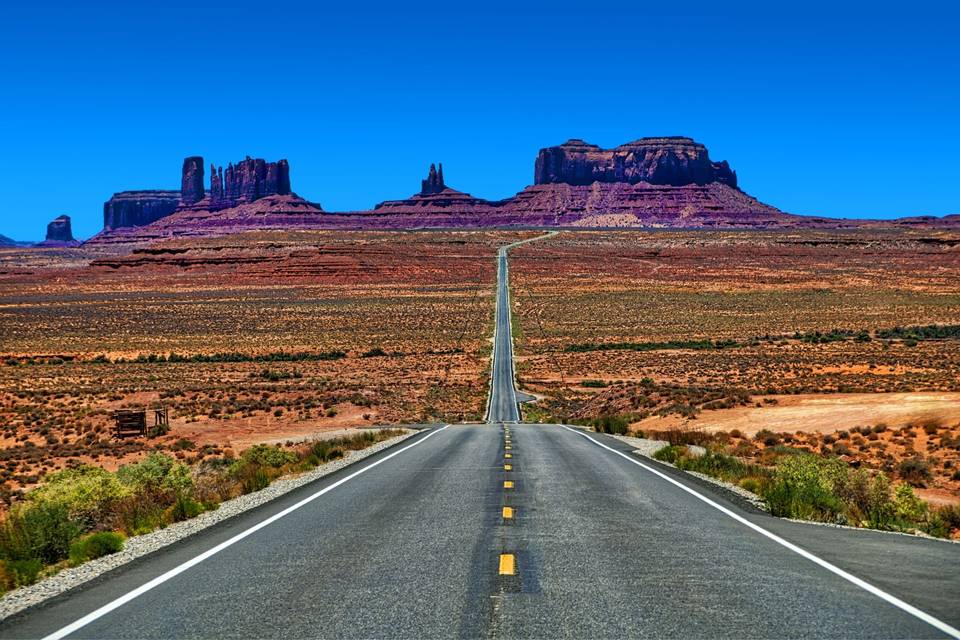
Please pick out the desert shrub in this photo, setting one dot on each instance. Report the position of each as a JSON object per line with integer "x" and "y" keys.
{"x": 157, "y": 472}
{"x": 767, "y": 437}
{"x": 609, "y": 423}
{"x": 39, "y": 531}
{"x": 325, "y": 450}
{"x": 803, "y": 486}
{"x": 684, "y": 436}
{"x": 138, "y": 514}
{"x": 183, "y": 508}
{"x": 907, "y": 505}
{"x": 916, "y": 471}
{"x": 87, "y": 492}
{"x": 670, "y": 453}
{"x": 252, "y": 476}
{"x": 594, "y": 384}
{"x": 268, "y": 456}
{"x": 19, "y": 573}
{"x": 720, "y": 465}
{"x": 95, "y": 545}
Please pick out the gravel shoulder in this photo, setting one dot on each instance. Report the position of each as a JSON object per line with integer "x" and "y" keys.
{"x": 138, "y": 546}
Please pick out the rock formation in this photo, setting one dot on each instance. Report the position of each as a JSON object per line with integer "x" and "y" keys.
{"x": 248, "y": 180}
{"x": 433, "y": 182}
{"x": 435, "y": 197}
{"x": 138, "y": 208}
{"x": 675, "y": 161}
{"x": 59, "y": 230}
{"x": 191, "y": 181}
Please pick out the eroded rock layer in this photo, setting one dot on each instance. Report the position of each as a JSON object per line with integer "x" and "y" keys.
{"x": 675, "y": 161}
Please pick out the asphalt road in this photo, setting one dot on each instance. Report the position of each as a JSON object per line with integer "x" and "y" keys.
{"x": 502, "y": 405}
{"x": 515, "y": 531}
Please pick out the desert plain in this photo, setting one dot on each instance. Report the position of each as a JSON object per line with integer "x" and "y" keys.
{"x": 816, "y": 339}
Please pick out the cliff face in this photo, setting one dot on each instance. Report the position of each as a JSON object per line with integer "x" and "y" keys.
{"x": 138, "y": 208}
{"x": 59, "y": 230}
{"x": 191, "y": 180}
{"x": 674, "y": 161}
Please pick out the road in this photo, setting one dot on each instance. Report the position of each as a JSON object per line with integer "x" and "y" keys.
{"x": 514, "y": 530}
{"x": 502, "y": 405}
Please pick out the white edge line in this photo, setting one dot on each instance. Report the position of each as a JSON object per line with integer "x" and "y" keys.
{"x": 172, "y": 573}
{"x": 866, "y": 586}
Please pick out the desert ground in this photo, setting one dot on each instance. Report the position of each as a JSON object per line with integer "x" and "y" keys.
{"x": 814, "y": 334}
{"x": 255, "y": 338}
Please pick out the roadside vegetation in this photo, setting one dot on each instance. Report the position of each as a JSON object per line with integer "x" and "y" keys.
{"x": 86, "y": 512}
{"x": 798, "y": 483}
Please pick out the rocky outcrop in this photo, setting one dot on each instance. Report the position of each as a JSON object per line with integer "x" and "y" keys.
{"x": 248, "y": 180}
{"x": 674, "y": 161}
{"x": 191, "y": 180}
{"x": 434, "y": 181}
{"x": 7, "y": 242}
{"x": 138, "y": 208}
{"x": 435, "y": 197}
{"x": 59, "y": 230}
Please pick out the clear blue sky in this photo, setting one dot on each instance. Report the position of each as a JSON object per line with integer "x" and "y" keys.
{"x": 827, "y": 108}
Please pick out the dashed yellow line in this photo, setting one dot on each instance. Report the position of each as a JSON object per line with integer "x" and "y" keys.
{"x": 507, "y": 467}
{"x": 508, "y": 484}
{"x": 508, "y": 564}
{"x": 508, "y": 455}
{"x": 507, "y": 513}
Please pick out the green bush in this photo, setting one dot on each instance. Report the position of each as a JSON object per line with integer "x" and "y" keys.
{"x": 184, "y": 508}
{"x": 614, "y": 424}
{"x": 671, "y": 453}
{"x": 325, "y": 450}
{"x": 803, "y": 486}
{"x": 157, "y": 472}
{"x": 907, "y": 505}
{"x": 268, "y": 456}
{"x": 19, "y": 573}
{"x": 95, "y": 545}
{"x": 87, "y": 492}
{"x": 39, "y": 531}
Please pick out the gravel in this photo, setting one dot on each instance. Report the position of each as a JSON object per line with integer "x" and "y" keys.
{"x": 138, "y": 546}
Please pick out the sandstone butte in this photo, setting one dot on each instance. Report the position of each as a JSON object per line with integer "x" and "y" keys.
{"x": 666, "y": 182}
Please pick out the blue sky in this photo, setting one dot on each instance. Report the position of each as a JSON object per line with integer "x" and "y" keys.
{"x": 825, "y": 108}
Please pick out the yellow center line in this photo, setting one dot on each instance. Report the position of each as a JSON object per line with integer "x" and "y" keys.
{"x": 507, "y": 513}
{"x": 508, "y": 484}
{"x": 507, "y": 467}
{"x": 508, "y": 564}
{"x": 508, "y": 455}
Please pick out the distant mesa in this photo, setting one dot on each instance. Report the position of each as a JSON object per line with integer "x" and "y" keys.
{"x": 59, "y": 232}
{"x": 8, "y": 242}
{"x": 138, "y": 208}
{"x": 657, "y": 182}
{"x": 674, "y": 161}
{"x": 241, "y": 183}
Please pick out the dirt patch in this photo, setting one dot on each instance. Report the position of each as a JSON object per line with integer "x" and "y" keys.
{"x": 823, "y": 413}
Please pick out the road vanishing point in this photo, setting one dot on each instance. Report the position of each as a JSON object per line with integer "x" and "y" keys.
{"x": 512, "y": 530}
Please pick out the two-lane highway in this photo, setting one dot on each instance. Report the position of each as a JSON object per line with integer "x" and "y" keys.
{"x": 502, "y": 404}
